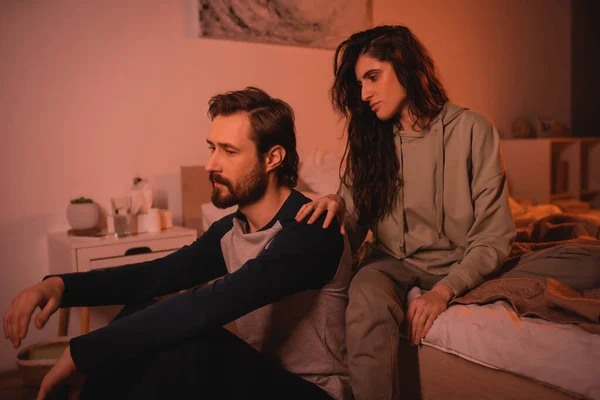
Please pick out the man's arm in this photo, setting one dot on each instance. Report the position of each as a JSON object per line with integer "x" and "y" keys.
{"x": 301, "y": 257}
{"x": 189, "y": 266}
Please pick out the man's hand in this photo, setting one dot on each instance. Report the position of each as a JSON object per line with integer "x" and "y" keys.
{"x": 46, "y": 295}
{"x": 424, "y": 310}
{"x": 63, "y": 369}
{"x": 332, "y": 203}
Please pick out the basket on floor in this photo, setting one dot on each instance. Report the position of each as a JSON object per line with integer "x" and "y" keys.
{"x": 35, "y": 361}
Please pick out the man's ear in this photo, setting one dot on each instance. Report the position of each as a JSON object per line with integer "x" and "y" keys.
{"x": 274, "y": 157}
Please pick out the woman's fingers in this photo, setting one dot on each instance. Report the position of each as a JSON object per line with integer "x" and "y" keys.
{"x": 417, "y": 324}
{"x": 328, "y": 203}
{"x": 304, "y": 211}
{"x": 332, "y": 212}
{"x": 322, "y": 206}
{"x": 307, "y": 209}
{"x": 420, "y": 325}
{"x": 342, "y": 220}
{"x": 428, "y": 325}
{"x": 330, "y": 216}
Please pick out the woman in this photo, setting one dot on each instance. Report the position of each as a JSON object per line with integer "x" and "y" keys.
{"x": 427, "y": 177}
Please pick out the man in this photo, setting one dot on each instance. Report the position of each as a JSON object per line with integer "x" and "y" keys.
{"x": 285, "y": 283}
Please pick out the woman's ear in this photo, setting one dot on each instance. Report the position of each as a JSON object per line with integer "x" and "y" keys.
{"x": 274, "y": 157}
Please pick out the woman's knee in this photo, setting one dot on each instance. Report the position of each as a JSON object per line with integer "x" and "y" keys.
{"x": 371, "y": 285}
{"x": 373, "y": 296}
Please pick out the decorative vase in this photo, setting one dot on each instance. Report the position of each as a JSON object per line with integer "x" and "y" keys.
{"x": 83, "y": 216}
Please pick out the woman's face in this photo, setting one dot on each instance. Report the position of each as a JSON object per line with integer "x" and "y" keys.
{"x": 380, "y": 88}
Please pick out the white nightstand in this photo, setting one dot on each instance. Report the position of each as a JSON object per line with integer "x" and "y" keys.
{"x": 79, "y": 254}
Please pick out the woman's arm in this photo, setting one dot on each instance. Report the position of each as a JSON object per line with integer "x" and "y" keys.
{"x": 490, "y": 237}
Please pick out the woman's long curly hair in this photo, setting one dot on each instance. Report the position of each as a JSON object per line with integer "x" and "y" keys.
{"x": 371, "y": 163}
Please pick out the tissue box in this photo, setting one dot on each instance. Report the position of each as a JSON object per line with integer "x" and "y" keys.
{"x": 149, "y": 222}
{"x": 154, "y": 221}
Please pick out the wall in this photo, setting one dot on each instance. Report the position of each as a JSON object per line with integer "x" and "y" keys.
{"x": 93, "y": 92}
{"x": 505, "y": 58}
{"x": 585, "y": 48}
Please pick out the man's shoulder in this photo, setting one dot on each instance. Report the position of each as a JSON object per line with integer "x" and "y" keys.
{"x": 288, "y": 220}
{"x": 287, "y": 213}
{"x": 313, "y": 233}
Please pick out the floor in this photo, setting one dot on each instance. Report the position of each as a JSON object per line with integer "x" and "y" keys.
{"x": 11, "y": 387}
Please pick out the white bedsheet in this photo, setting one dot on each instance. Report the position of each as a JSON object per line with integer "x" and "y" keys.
{"x": 563, "y": 356}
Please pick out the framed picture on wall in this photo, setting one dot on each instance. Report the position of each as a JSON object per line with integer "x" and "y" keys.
{"x": 308, "y": 23}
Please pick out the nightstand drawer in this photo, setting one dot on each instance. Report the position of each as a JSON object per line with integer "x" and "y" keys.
{"x": 79, "y": 254}
{"x": 128, "y": 253}
{"x": 118, "y": 261}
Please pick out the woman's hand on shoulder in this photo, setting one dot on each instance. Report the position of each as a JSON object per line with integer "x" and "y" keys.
{"x": 332, "y": 203}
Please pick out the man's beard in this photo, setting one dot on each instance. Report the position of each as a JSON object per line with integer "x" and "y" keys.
{"x": 248, "y": 190}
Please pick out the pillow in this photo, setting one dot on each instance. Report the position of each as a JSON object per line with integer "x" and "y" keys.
{"x": 211, "y": 214}
{"x": 320, "y": 172}
{"x": 515, "y": 207}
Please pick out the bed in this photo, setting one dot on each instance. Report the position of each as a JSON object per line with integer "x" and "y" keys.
{"x": 529, "y": 358}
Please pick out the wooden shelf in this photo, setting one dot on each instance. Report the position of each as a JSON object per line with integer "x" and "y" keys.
{"x": 549, "y": 169}
{"x": 562, "y": 140}
{"x": 561, "y": 196}
{"x": 590, "y": 192}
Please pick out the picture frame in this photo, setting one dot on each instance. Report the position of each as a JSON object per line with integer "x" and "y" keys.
{"x": 307, "y": 23}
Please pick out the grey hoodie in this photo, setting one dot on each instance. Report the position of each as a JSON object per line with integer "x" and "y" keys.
{"x": 451, "y": 215}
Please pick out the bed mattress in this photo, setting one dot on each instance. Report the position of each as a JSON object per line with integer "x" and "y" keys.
{"x": 558, "y": 355}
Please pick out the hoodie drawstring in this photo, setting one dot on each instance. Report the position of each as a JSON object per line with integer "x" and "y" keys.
{"x": 401, "y": 194}
{"x": 439, "y": 193}
{"x": 440, "y": 182}
{"x": 446, "y": 116}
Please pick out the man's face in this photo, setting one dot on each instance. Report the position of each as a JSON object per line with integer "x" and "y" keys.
{"x": 237, "y": 173}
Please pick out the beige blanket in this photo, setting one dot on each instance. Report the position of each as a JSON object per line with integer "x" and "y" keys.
{"x": 549, "y": 299}
{"x": 556, "y": 230}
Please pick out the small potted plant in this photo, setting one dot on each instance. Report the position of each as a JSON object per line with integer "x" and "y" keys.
{"x": 83, "y": 214}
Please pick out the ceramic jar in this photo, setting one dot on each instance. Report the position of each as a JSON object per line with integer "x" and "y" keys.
{"x": 83, "y": 216}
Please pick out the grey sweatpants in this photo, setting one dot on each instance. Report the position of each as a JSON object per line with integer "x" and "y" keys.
{"x": 377, "y": 301}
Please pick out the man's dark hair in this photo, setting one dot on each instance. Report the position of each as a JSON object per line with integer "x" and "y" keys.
{"x": 372, "y": 166}
{"x": 271, "y": 124}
